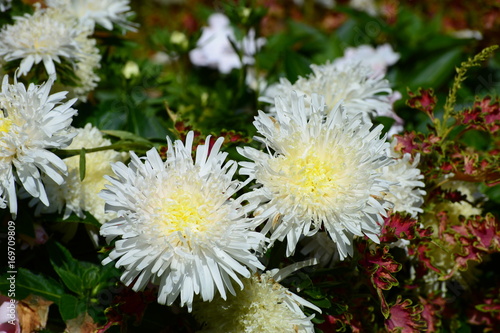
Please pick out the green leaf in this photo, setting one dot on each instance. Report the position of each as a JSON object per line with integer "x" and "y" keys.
{"x": 70, "y": 307}
{"x": 30, "y": 283}
{"x": 434, "y": 70}
{"x": 82, "y": 164}
{"x": 296, "y": 65}
{"x": 127, "y": 136}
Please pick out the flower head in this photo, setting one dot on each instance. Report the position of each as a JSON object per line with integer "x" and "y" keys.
{"x": 179, "y": 226}
{"x": 378, "y": 59}
{"x": 75, "y": 195}
{"x": 31, "y": 122}
{"x": 353, "y": 84}
{"x": 39, "y": 37}
{"x": 406, "y": 190}
{"x": 103, "y": 12}
{"x": 214, "y": 48}
{"x": 323, "y": 172}
{"x": 262, "y": 306}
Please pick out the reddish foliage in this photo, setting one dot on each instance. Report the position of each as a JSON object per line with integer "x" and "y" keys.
{"x": 404, "y": 317}
{"x": 424, "y": 100}
{"x": 433, "y": 307}
{"x": 485, "y": 310}
{"x": 484, "y": 115}
{"x": 399, "y": 226}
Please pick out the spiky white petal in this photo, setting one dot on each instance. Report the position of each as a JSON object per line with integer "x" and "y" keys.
{"x": 178, "y": 224}
{"x": 77, "y": 196}
{"x": 322, "y": 172}
{"x": 31, "y": 122}
{"x": 355, "y": 85}
{"x": 39, "y": 37}
{"x": 106, "y": 13}
{"x": 406, "y": 191}
{"x": 262, "y": 306}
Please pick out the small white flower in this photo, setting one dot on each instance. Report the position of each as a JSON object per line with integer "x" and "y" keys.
{"x": 323, "y": 172}
{"x": 178, "y": 224}
{"x": 214, "y": 48}
{"x": 91, "y": 12}
{"x": 75, "y": 195}
{"x": 354, "y": 85}
{"x": 378, "y": 59}
{"x": 406, "y": 191}
{"x": 262, "y": 306}
{"x": 39, "y": 37}
{"x": 32, "y": 121}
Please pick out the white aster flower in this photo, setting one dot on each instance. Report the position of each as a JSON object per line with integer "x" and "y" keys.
{"x": 39, "y": 37}
{"x": 353, "y": 84}
{"x": 86, "y": 67}
{"x": 5, "y": 5}
{"x": 378, "y": 59}
{"x": 91, "y": 12}
{"x": 31, "y": 122}
{"x": 75, "y": 195}
{"x": 406, "y": 191}
{"x": 214, "y": 48}
{"x": 367, "y": 6}
{"x": 179, "y": 226}
{"x": 262, "y": 306}
{"x": 323, "y": 173}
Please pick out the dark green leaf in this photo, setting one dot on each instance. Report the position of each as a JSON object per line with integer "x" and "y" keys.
{"x": 28, "y": 283}
{"x": 70, "y": 307}
{"x": 82, "y": 164}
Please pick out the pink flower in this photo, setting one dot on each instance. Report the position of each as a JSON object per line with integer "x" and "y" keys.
{"x": 9, "y": 322}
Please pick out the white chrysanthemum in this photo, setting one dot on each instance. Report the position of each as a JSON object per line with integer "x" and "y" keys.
{"x": 262, "y": 306}
{"x": 86, "y": 67}
{"x": 31, "y": 122}
{"x": 39, "y": 37}
{"x": 367, "y": 6}
{"x": 179, "y": 226}
{"x": 378, "y": 59}
{"x": 354, "y": 85}
{"x": 406, "y": 192}
{"x": 77, "y": 196}
{"x": 5, "y": 5}
{"x": 323, "y": 172}
{"x": 103, "y": 12}
{"x": 214, "y": 48}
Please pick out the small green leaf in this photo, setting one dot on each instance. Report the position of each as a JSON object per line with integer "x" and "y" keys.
{"x": 82, "y": 164}
{"x": 128, "y": 136}
{"x": 28, "y": 283}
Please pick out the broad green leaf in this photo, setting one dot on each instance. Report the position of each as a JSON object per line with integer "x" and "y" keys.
{"x": 296, "y": 65}
{"x": 28, "y": 283}
{"x": 70, "y": 307}
{"x": 434, "y": 70}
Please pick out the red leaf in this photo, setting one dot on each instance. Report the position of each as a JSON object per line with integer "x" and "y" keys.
{"x": 424, "y": 100}
{"x": 405, "y": 318}
{"x": 433, "y": 307}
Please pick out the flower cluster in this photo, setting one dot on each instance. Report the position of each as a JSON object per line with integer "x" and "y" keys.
{"x": 247, "y": 169}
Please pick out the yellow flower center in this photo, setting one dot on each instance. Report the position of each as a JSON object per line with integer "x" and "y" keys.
{"x": 5, "y": 125}
{"x": 313, "y": 175}
{"x": 183, "y": 211}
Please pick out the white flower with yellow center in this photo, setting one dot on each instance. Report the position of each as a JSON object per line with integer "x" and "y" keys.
{"x": 352, "y": 84}
{"x": 323, "y": 173}
{"x": 103, "y": 12}
{"x": 75, "y": 195}
{"x": 32, "y": 121}
{"x": 39, "y": 37}
{"x": 262, "y": 306}
{"x": 179, "y": 226}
